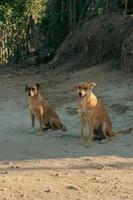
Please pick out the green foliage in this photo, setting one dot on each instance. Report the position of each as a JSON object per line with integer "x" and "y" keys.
{"x": 34, "y": 25}
{"x": 14, "y": 24}
{"x": 100, "y": 7}
{"x": 54, "y": 25}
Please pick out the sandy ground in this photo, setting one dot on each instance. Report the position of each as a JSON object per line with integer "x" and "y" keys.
{"x": 55, "y": 166}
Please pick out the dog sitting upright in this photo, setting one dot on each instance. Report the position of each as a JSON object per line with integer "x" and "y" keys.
{"x": 92, "y": 111}
{"x": 42, "y": 111}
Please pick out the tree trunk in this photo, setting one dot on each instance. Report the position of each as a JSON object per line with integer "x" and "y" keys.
{"x": 107, "y": 6}
{"x": 70, "y": 14}
{"x": 74, "y": 14}
{"x": 83, "y": 11}
{"x": 126, "y": 3}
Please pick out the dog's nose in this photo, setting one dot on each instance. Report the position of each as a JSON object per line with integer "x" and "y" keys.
{"x": 80, "y": 94}
{"x": 29, "y": 94}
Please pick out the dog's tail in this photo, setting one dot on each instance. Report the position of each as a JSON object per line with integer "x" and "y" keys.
{"x": 63, "y": 127}
{"x": 122, "y": 132}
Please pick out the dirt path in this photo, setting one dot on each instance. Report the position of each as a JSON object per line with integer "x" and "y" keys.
{"x": 58, "y": 167}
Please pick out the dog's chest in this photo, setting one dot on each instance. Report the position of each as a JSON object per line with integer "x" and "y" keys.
{"x": 34, "y": 107}
{"x": 85, "y": 111}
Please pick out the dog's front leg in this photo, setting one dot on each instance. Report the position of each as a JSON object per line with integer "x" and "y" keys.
{"x": 40, "y": 130}
{"x": 32, "y": 123}
{"x": 82, "y": 125}
{"x": 90, "y": 136}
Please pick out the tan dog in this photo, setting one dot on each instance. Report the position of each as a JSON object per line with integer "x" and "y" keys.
{"x": 42, "y": 110}
{"x": 93, "y": 111}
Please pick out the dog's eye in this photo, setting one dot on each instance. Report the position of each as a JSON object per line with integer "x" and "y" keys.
{"x": 85, "y": 88}
{"x": 33, "y": 89}
{"x": 79, "y": 87}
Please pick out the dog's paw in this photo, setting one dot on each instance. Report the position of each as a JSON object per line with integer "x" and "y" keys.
{"x": 32, "y": 130}
{"x": 89, "y": 145}
{"x": 39, "y": 132}
{"x": 104, "y": 141}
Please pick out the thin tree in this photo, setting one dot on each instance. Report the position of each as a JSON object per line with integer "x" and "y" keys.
{"x": 70, "y": 14}
{"x": 74, "y": 14}
{"x": 126, "y": 3}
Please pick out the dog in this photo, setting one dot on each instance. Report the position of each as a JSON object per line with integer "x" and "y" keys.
{"x": 93, "y": 111}
{"x": 41, "y": 110}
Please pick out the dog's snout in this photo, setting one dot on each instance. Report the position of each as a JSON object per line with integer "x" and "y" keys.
{"x": 29, "y": 94}
{"x": 80, "y": 94}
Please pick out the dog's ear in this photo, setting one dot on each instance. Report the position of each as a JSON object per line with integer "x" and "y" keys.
{"x": 91, "y": 85}
{"x": 38, "y": 85}
{"x": 26, "y": 88}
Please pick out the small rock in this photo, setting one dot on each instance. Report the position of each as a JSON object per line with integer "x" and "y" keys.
{"x": 70, "y": 187}
{"x": 56, "y": 174}
{"x": 48, "y": 189}
{"x": 4, "y": 172}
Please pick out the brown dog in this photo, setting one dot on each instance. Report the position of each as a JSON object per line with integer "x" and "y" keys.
{"x": 42, "y": 110}
{"x": 93, "y": 111}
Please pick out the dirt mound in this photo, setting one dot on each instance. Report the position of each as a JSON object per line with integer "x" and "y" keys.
{"x": 100, "y": 39}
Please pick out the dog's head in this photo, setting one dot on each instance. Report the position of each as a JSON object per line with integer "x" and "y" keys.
{"x": 32, "y": 89}
{"x": 84, "y": 88}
